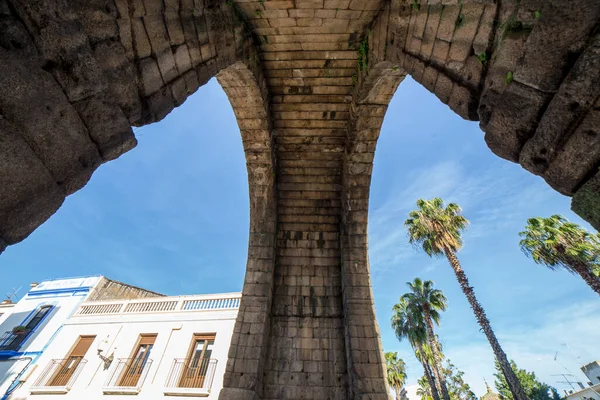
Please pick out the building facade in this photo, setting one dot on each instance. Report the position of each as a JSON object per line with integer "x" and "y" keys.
{"x": 152, "y": 348}
{"x": 33, "y": 322}
{"x": 591, "y": 391}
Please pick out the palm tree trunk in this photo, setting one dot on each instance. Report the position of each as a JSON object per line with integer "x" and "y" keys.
{"x": 513, "y": 382}
{"x": 587, "y": 275}
{"x": 397, "y": 391}
{"x": 437, "y": 359}
{"x": 432, "y": 385}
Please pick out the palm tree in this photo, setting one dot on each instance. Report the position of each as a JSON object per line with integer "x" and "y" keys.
{"x": 424, "y": 390}
{"x": 437, "y": 230}
{"x": 407, "y": 325}
{"x": 396, "y": 369}
{"x": 558, "y": 243}
{"x": 425, "y": 355}
{"x": 428, "y": 302}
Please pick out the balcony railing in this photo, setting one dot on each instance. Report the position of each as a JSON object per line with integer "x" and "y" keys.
{"x": 59, "y": 376}
{"x": 128, "y": 376}
{"x": 189, "y": 377}
{"x": 224, "y": 302}
{"x": 10, "y": 341}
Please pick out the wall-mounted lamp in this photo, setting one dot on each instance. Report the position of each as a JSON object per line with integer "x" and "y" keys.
{"x": 102, "y": 346}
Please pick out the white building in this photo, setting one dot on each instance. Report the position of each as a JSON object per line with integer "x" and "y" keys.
{"x": 151, "y": 348}
{"x": 6, "y": 308}
{"x": 592, "y": 390}
{"x": 34, "y": 321}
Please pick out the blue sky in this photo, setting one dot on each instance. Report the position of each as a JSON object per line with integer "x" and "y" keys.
{"x": 172, "y": 216}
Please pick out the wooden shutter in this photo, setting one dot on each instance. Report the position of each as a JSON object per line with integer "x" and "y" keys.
{"x": 82, "y": 346}
{"x": 147, "y": 339}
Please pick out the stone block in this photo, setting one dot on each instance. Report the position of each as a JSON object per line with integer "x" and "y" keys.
{"x": 586, "y": 201}
{"x": 511, "y": 120}
{"x": 482, "y": 38}
{"x": 150, "y": 77}
{"x": 548, "y": 55}
{"x": 174, "y": 28}
{"x": 337, "y": 4}
{"x": 463, "y": 102}
{"x": 448, "y": 22}
{"x": 29, "y": 194}
{"x": 313, "y": 4}
{"x": 122, "y": 77}
{"x": 578, "y": 156}
{"x": 35, "y": 103}
{"x": 443, "y": 88}
{"x": 429, "y": 34}
{"x": 141, "y": 43}
{"x": 577, "y": 94}
{"x": 107, "y": 126}
{"x": 182, "y": 58}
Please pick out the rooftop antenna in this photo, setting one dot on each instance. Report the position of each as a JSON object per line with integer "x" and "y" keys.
{"x": 13, "y": 294}
{"x": 567, "y": 381}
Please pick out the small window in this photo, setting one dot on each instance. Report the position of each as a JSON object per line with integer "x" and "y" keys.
{"x": 135, "y": 366}
{"x": 18, "y": 337}
{"x": 70, "y": 364}
{"x": 198, "y": 361}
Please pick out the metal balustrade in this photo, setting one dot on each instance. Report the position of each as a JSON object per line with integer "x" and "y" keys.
{"x": 59, "y": 375}
{"x": 127, "y": 376}
{"x": 100, "y": 309}
{"x": 191, "y": 376}
{"x": 211, "y": 304}
{"x": 158, "y": 305}
{"x": 150, "y": 306}
{"x": 10, "y": 341}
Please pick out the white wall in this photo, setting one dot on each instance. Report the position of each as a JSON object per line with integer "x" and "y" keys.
{"x": 5, "y": 311}
{"x": 586, "y": 394}
{"x": 592, "y": 371}
{"x": 9, "y": 369}
{"x": 53, "y": 293}
{"x": 175, "y": 332}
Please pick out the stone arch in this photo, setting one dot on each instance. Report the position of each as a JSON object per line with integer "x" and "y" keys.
{"x": 76, "y": 75}
{"x": 246, "y": 89}
{"x": 374, "y": 91}
{"x": 514, "y": 66}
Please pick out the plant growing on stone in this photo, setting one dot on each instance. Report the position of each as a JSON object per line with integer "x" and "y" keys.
{"x": 363, "y": 54}
{"x": 560, "y": 244}
{"x": 482, "y": 58}
{"x": 460, "y": 21}
{"x": 257, "y": 13}
{"x": 509, "y": 77}
{"x": 415, "y": 6}
{"x": 437, "y": 229}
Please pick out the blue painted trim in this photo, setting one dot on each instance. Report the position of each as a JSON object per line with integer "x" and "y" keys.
{"x": 28, "y": 317}
{"x": 81, "y": 289}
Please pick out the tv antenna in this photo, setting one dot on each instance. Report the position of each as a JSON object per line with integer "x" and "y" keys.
{"x": 13, "y": 294}
{"x": 566, "y": 380}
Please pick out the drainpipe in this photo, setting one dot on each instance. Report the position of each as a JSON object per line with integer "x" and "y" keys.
{"x": 12, "y": 388}
{"x": 176, "y": 328}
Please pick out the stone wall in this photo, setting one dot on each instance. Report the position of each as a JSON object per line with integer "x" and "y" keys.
{"x": 528, "y": 70}
{"x": 107, "y": 289}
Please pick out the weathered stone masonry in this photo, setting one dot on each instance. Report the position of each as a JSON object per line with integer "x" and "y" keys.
{"x": 309, "y": 82}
